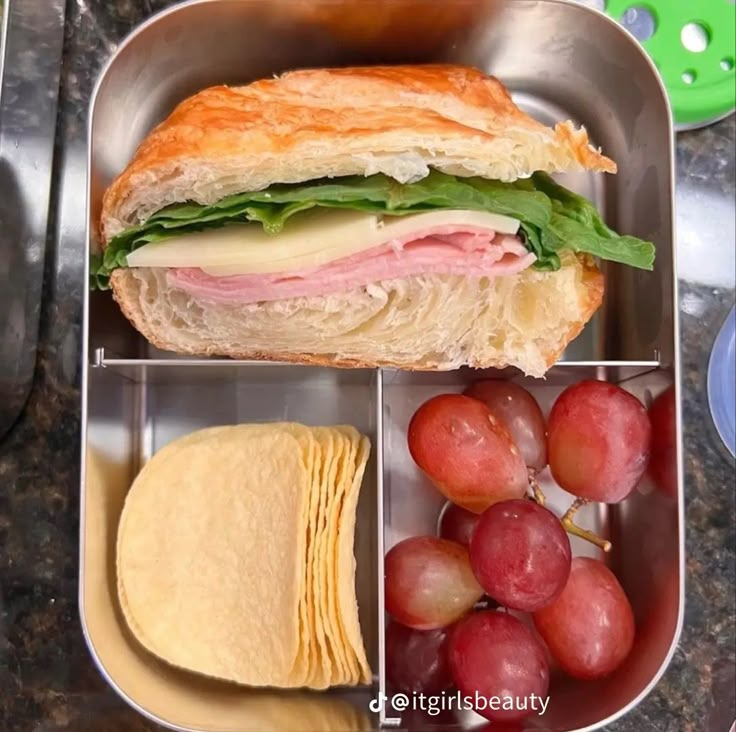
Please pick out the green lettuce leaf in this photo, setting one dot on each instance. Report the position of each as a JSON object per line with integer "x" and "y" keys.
{"x": 552, "y": 218}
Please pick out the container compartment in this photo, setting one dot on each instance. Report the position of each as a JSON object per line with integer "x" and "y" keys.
{"x": 609, "y": 85}
{"x": 643, "y": 530}
{"x": 133, "y": 410}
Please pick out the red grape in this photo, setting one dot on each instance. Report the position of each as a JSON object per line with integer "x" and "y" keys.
{"x": 589, "y": 628}
{"x": 519, "y": 413}
{"x": 457, "y": 524}
{"x": 663, "y": 460}
{"x": 466, "y": 452}
{"x": 520, "y": 554}
{"x": 598, "y": 441}
{"x": 494, "y": 655}
{"x": 429, "y": 582}
{"x": 416, "y": 660}
{"x": 527, "y": 621}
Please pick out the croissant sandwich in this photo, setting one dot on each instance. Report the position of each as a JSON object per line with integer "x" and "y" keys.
{"x": 385, "y": 216}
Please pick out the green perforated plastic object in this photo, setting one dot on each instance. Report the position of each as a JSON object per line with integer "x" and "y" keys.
{"x": 693, "y": 43}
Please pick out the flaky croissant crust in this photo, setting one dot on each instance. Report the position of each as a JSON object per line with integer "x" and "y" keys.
{"x": 303, "y": 125}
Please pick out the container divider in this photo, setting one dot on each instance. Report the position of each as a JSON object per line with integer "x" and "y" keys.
{"x": 382, "y": 695}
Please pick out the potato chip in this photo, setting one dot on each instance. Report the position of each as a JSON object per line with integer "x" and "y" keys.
{"x": 200, "y": 591}
{"x": 306, "y": 656}
{"x": 325, "y": 589}
{"x": 347, "y": 603}
{"x": 344, "y": 479}
{"x": 321, "y": 670}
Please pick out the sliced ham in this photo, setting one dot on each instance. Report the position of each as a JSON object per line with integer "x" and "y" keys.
{"x": 470, "y": 253}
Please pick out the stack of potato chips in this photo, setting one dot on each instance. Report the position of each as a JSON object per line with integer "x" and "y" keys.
{"x": 235, "y": 555}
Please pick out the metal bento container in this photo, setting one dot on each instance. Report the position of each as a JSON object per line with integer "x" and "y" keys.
{"x": 561, "y": 60}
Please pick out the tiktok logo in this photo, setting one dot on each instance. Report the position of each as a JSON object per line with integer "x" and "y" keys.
{"x": 377, "y": 704}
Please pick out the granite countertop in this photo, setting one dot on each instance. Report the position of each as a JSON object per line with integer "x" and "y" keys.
{"x": 47, "y": 679}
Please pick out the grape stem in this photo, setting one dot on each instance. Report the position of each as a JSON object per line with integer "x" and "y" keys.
{"x": 572, "y": 528}
{"x": 539, "y": 496}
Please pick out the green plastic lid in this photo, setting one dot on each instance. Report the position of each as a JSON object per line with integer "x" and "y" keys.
{"x": 693, "y": 44}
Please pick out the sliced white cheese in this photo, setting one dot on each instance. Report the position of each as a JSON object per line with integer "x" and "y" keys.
{"x": 309, "y": 240}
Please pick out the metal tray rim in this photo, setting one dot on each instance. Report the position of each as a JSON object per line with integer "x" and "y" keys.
{"x": 676, "y": 367}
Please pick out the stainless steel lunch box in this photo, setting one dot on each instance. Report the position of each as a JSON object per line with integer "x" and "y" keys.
{"x": 561, "y": 60}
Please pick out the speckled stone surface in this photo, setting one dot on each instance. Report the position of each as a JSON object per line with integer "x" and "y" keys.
{"x": 47, "y": 680}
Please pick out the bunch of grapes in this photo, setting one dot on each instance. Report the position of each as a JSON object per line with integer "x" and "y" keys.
{"x": 499, "y": 546}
